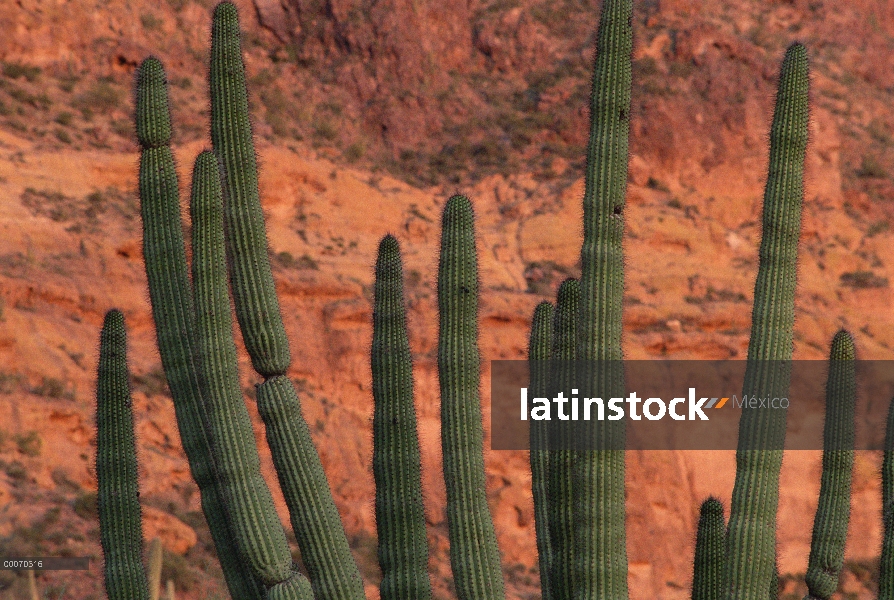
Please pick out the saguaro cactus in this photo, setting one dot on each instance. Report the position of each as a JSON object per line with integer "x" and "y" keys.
{"x": 579, "y": 495}
{"x": 121, "y": 530}
{"x": 173, "y": 312}
{"x": 752, "y": 524}
{"x": 473, "y": 542}
{"x": 710, "y": 549}
{"x": 199, "y": 359}
{"x": 400, "y": 518}
{"x": 562, "y": 493}
{"x": 834, "y": 506}
{"x": 886, "y": 563}
{"x": 600, "y": 537}
{"x": 315, "y": 519}
{"x": 254, "y": 292}
{"x": 539, "y": 352}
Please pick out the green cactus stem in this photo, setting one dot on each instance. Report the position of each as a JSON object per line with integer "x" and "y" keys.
{"x": 315, "y": 519}
{"x": 324, "y": 546}
{"x": 601, "y": 555}
{"x": 710, "y": 547}
{"x": 118, "y": 494}
{"x": 400, "y": 514}
{"x": 473, "y": 543}
{"x": 886, "y": 562}
{"x": 751, "y": 542}
{"x": 539, "y": 352}
{"x": 254, "y": 292}
{"x": 834, "y": 507}
{"x": 562, "y": 455}
{"x": 170, "y": 292}
{"x": 248, "y": 501}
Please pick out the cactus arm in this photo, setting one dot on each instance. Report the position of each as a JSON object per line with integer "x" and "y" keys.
{"x": 474, "y": 556}
{"x": 601, "y": 555}
{"x": 751, "y": 542}
{"x": 886, "y": 562}
{"x": 834, "y": 506}
{"x": 400, "y": 514}
{"x": 539, "y": 352}
{"x": 250, "y": 509}
{"x": 602, "y": 259}
{"x": 318, "y": 527}
{"x": 710, "y": 546}
{"x": 254, "y": 292}
{"x": 121, "y": 531}
{"x": 314, "y": 516}
{"x": 173, "y": 313}
{"x": 563, "y": 455}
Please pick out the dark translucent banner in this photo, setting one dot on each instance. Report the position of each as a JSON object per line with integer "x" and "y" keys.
{"x": 690, "y": 405}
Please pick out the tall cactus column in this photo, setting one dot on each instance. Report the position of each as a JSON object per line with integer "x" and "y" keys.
{"x": 400, "y": 514}
{"x": 170, "y": 292}
{"x": 473, "y": 543}
{"x": 121, "y": 530}
{"x": 710, "y": 549}
{"x": 201, "y": 362}
{"x": 539, "y": 352}
{"x": 564, "y": 454}
{"x": 249, "y": 504}
{"x": 886, "y": 562}
{"x": 751, "y": 541}
{"x": 601, "y": 557}
{"x": 315, "y": 519}
{"x": 833, "y": 510}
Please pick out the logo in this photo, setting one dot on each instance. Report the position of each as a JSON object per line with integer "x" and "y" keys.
{"x": 573, "y": 408}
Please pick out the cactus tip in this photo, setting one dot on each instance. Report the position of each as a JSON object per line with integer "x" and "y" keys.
{"x": 843, "y": 347}
{"x": 712, "y": 506}
{"x": 389, "y": 243}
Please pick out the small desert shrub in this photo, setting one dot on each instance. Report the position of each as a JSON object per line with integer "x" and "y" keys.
{"x": 29, "y": 443}
{"x": 863, "y": 280}
{"x": 14, "y": 70}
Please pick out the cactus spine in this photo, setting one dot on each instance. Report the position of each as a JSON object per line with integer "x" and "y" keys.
{"x": 473, "y": 542}
{"x": 400, "y": 517}
{"x": 752, "y": 525}
{"x": 121, "y": 530}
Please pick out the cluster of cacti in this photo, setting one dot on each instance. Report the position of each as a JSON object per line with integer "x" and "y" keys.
{"x": 578, "y": 494}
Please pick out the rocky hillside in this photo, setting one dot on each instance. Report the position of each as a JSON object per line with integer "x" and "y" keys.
{"x": 387, "y": 109}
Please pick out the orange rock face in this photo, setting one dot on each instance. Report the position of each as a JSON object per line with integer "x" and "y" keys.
{"x": 703, "y": 93}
